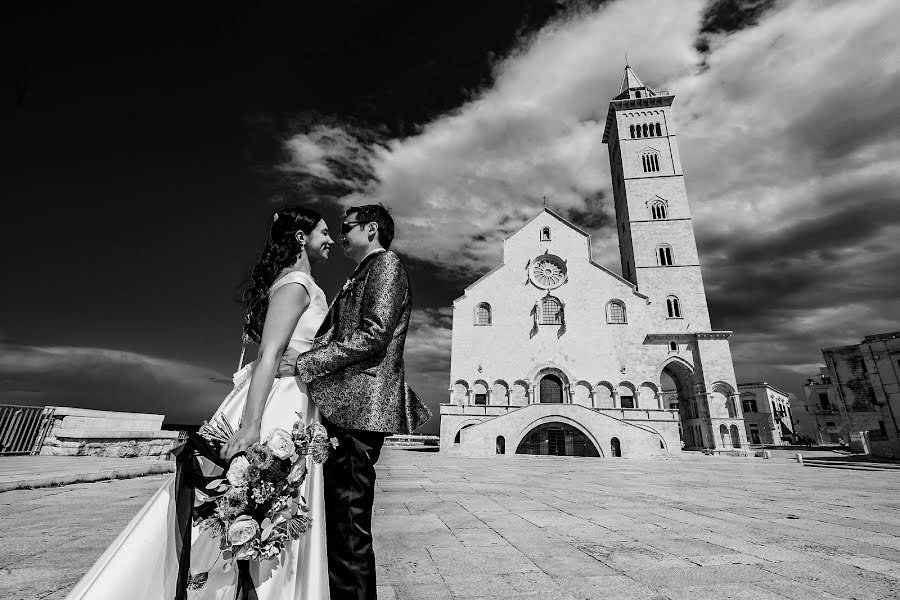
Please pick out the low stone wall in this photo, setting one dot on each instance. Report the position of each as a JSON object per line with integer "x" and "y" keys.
{"x": 84, "y": 432}
{"x": 411, "y": 440}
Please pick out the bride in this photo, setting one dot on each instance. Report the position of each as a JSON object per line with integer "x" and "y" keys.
{"x": 285, "y": 308}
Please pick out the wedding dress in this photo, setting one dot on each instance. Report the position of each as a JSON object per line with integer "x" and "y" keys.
{"x": 141, "y": 564}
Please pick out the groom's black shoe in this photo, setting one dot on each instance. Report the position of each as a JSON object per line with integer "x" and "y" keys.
{"x": 349, "y": 494}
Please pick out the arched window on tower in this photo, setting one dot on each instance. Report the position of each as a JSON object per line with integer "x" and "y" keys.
{"x": 650, "y": 161}
{"x": 545, "y": 234}
{"x": 673, "y": 346}
{"x": 658, "y": 210}
{"x": 632, "y": 130}
{"x": 658, "y": 130}
{"x": 615, "y": 312}
{"x": 644, "y": 128}
{"x": 664, "y": 255}
{"x": 551, "y": 311}
{"x": 673, "y": 308}
{"x": 483, "y": 314}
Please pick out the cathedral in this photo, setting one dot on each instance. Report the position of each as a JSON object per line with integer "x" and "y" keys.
{"x": 555, "y": 354}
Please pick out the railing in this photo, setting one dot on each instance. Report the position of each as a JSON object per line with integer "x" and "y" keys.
{"x": 23, "y": 428}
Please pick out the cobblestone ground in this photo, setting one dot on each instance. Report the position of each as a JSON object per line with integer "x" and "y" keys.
{"x": 694, "y": 527}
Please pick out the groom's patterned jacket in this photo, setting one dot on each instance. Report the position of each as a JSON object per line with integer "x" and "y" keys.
{"x": 355, "y": 366}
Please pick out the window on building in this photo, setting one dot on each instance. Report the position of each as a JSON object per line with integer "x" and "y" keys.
{"x": 664, "y": 255}
{"x": 551, "y": 311}
{"x": 673, "y": 346}
{"x": 644, "y": 129}
{"x": 749, "y": 405}
{"x": 481, "y": 399}
{"x": 658, "y": 211}
{"x": 650, "y": 162}
{"x": 545, "y": 234}
{"x": 673, "y": 307}
{"x": 862, "y": 366}
{"x": 658, "y": 129}
{"x": 632, "y": 130}
{"x": 615, "y": 312}
{"x": 626, "y": 401}
{"x": 483, "y": 314}
{"x": 824, "y": 401}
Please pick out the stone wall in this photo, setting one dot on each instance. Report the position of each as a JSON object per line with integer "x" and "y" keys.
{"x": 84, "y": 432}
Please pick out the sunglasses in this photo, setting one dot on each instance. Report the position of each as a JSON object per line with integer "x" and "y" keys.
{"x": 349, "y": 225}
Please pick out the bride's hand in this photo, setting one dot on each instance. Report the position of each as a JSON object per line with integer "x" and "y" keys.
{"x": 239, "y": 442}
{"x": 288, "y": 365}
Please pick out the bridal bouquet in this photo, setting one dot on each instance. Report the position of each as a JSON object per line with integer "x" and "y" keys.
{"x": 257, "y": 508}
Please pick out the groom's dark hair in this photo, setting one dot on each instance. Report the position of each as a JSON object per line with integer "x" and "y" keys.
{"x": 378, "y": 214}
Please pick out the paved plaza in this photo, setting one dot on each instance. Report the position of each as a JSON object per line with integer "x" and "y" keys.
{"x": 691, "y": 527}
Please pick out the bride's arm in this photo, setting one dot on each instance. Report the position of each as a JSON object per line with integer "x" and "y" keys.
{"x": 285, "y": 308}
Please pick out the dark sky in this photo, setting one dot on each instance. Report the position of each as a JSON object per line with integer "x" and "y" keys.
{"x": 139, "y": 149}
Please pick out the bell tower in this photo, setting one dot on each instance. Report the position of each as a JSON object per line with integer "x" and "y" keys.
{"x": 653, "y": 219}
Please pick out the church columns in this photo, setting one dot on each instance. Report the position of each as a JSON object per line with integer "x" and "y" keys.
{"x": 615, "y": 399}
{"x": 532, "y": 399}
{"x": 659, "y": 400}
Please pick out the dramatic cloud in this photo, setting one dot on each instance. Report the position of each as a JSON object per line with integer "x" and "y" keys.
{"x": 427, "y": 358}
{"x": 788, "y": 129}
{"x": 109, "y": 380}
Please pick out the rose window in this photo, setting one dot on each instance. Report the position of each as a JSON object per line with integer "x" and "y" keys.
{"x": 548, "y": 272}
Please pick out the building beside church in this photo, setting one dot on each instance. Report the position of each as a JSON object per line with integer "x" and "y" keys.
{"x": 767, "y": 414}
{"x": 553, "y": 353}
{"x": 856, "y": 398}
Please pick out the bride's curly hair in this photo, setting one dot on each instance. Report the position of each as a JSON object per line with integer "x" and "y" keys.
{"x": 281, "y": 251}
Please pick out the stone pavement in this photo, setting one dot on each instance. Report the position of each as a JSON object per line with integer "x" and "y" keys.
{"x": 693, "y": 527}
{"x": 17, "y": 472}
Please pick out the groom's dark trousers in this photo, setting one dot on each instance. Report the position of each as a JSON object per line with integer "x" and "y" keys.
{"x": 349, "y": 493}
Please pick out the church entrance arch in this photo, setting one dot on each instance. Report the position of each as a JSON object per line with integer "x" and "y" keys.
{"x": 677, "y": 390}
{"x": 557, "y": 439}
{"x": 551, "y": 389}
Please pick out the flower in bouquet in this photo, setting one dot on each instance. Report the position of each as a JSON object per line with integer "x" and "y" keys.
{"x": 242, "y": 530}
{"x": 262, "y": 491}
{"x": 237, "y": 471}
{"x": 281, "y": 444}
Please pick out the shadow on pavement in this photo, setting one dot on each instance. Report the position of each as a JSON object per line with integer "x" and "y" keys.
{"x": 857, "y": 463}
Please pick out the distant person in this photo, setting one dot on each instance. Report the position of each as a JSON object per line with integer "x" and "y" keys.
{"x": 284, "y": 310}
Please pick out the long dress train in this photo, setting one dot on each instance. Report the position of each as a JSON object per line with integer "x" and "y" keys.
{"x": 141, "y": 564}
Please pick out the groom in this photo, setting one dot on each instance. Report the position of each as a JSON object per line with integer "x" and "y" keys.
{"x": 355, "y": 376}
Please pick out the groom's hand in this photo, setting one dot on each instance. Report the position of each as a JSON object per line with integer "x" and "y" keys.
{"x": 288, "y": 365}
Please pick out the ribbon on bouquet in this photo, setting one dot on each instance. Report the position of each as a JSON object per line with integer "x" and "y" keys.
{"x": 189, "y": 476}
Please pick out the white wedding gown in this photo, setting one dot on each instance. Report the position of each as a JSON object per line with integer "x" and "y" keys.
{"x": 141, "y": 564}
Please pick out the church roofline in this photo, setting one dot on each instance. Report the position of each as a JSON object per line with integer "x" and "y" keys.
{"x": 633, "y": 287}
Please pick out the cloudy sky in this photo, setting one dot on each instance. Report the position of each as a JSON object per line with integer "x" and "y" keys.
{"x": 147, "y": 154}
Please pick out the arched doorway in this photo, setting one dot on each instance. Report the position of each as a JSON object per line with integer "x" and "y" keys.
{"x": 615, "y": 447}
{"x": 677, "y": 388}
{"x": 557, "y": 439}
{"x": 735, "y": 437}
{"x": 723, "y": 433}
{"x": 551, "y": 390}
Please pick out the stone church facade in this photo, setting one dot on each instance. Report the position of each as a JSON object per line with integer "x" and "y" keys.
{"x": 553, "y": 353}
